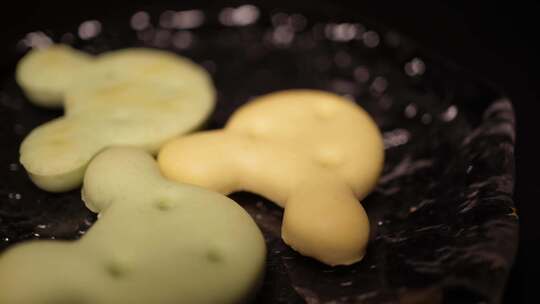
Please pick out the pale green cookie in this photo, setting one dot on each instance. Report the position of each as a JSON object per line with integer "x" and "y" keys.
{"x": 155, "y": 242}
{"x": 134, "y": 97}
{"x": 46, "y": 74}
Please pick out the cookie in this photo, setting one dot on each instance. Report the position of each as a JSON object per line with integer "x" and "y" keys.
{"x": 155, "y": 241}
{"x": 311, "y": 152}
{"x": 134, "y": 97}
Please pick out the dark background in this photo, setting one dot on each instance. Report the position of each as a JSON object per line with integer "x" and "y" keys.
{"x": 495, "y": 40}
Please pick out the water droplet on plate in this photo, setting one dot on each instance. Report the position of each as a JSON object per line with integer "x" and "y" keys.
{"x": 282, "y": 35}
{"x": 140, "y": 21}
{"x": 298, "y": 22}
{"x": 14, "y": 196}
{"x": 189, "y": 19}
{"x": 426, "y": 118}
{"x": 182, "y": 39}
{"x": 415, "y": 67}
{"x": 379, "y": 85}
{"x": 240, "y": 16}
{"x": 341, "y": 32}
{"x": 449, "y": 114}
{"x": 87, "y": 222}
{"x": 396, "y": 138}
{"x": 89, "y": 29}
{"x": 36, "y": 40}
{"x": 371, "y": 39}
{"x": 410, "y": 110}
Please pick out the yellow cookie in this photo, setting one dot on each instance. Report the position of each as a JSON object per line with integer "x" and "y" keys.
{"x": 311, "y": 152}
{"x": 154, "y": 242}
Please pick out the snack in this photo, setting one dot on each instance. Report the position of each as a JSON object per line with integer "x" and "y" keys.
{"x": 155, "y": 242}
{"x": 311, "y": 152}
{"x": 46, "y": 74}
{"x": 135, "y": 97}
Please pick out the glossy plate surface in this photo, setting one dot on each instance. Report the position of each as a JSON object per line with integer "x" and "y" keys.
{"x": 444, "y": 227}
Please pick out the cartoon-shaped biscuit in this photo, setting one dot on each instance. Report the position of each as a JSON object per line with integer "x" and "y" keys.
{"x": 311, "y": 152}
{"x": 155, "y": 241}
{"x": 135, "y": 97}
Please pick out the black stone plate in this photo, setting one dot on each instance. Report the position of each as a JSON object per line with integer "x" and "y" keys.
{"x": 444, "y": 227}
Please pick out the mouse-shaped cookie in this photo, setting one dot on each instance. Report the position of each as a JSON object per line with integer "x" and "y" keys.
{"x": 135, "y": 97}
{"x": 311, "y": 152}
{"x": 155, "y": 241}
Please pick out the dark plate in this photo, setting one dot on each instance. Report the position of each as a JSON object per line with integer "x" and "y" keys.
{"x": 444, "y": 227}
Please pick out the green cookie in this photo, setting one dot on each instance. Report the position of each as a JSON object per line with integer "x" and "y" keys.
{"x": 135, "y": 97}
{"x": 155, "y": 242}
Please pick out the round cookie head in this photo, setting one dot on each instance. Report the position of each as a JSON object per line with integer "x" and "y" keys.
{"x": 331, "y": 130}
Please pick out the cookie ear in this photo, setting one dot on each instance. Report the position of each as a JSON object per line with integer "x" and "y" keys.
{"x": 115, "y": 175}
{"x": 278, "y": 147}
{"x": 46, "y": 74}
{"x": 133, "y": 97}
{"x": 151, "y": 234}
